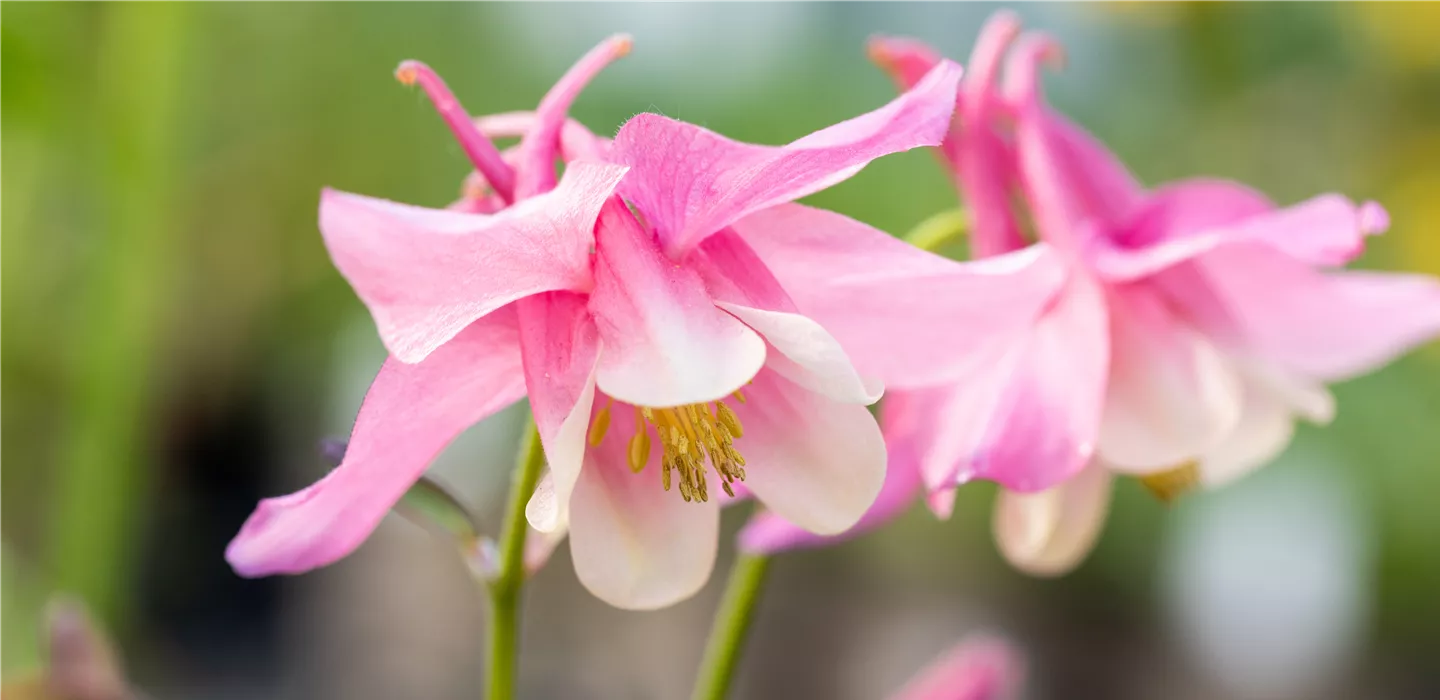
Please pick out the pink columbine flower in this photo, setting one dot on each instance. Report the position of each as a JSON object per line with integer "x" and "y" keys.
{"x": 975, "y": 669}
{"x": 1177, "y": 333}
{"x": 664, "y": 367}
{"x": 441, "y": 286}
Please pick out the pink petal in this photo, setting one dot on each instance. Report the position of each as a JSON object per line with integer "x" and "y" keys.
{"x": 815, "y": 462}
{"x": 1192, "y": 218}
{"x": 691, "y": 182}
{"x": 1325, "y": 325}
{"x": 904, "y": 316}
{"x": 1027, "y": 416}
{"x": 1072, "y": 182}
{"x": 733, "y": 272}
{"x": 664, "y": 342}
{"x": 1043, "y": 426}
{"x": 768, "y": 533}
{"x": 635, "y": 545}
{"x": 536, "y": 168}
{"x": 411, "y": 412}
{"x": 1049, "y": 533}
{"x": 426, "y": 274}
{"x": 985, "y": 162}
{"x": 1172, "y": 395}
{"x": 975, "y": 669}
{"x": 561, "y": 349}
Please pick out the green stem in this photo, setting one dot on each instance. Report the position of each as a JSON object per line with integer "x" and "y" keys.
{"x": 505, "y": 589}
{"x": 732, "y": 624}
{"x": 938, "y": 230}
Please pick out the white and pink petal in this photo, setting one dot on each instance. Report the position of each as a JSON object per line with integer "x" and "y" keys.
{"x": 664, "y": 343}
{"x": 814, "y": 462}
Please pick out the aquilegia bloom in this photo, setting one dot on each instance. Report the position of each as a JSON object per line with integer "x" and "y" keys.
{"x": 663, "y": 368}
{"x": 1185, "y": 329}
{"x": 451, "y": 332}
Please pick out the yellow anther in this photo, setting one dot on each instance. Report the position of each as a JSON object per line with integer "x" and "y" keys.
{"x": 1172, "y": 483}
{"x": 639, "y": 449}
{"x": 728, "y": 419}
{"x": 739, "y": 396}
{"x": 694, "y": 439}
{"x": 600, "y": 425}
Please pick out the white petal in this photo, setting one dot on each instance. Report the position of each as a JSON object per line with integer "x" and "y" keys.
{"x": 1050, "y": 532}
{"x": 808, "y": 354}
{"x": 1172, "y": 396}
{"x": 816, "y": 462}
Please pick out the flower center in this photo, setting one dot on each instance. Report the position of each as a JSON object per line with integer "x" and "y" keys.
{"x": 1172, "y": 483}
{"x": 690, "y": 437}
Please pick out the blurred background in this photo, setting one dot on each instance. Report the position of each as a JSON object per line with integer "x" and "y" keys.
{"x": 175, "y": 342}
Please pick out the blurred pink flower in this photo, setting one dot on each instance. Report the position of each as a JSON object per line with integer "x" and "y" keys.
{"x": 671, "y": 331}
{"x": 974, "y": 669}
{"x": 1180, "y": 332}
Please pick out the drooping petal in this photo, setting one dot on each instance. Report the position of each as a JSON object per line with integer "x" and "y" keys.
{"x": 427, "y": 273}
{"x": 1188, "y": 219}
{"x": 1172, "y": 395}
{"x": 768, "y": 533}
{"x": 635, "y": 545}
{"x": 815, "y": 462}
{"x": 410, "y": 413}
{"x": 1049, "y": 533}
{"x": 535, "y": 171}
{"x": 664, "y": 341}
{"x": 691, "y": 182}
{"x": 905, "y": 316}
{"x": 1075, "y": 186}
{"x": 975, "y": 669}
{"x": 1271, "y": 401}
{"x": 561, "y": 349}
{"x": 1326, "y": 325}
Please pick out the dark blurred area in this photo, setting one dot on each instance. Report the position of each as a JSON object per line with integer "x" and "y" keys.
{"x": 176, "y": 343}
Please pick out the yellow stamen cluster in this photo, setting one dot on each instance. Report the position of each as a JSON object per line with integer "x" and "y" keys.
{"x": 1172, "y": 483}
{"x": 690, "y": 436}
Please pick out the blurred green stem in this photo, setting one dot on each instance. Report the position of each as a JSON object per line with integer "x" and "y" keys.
{"x": 99, "y": 480}
{"x": 938, "y": 230}
{"x": 731, "y": 626}
{"x": 506, "y": 588}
